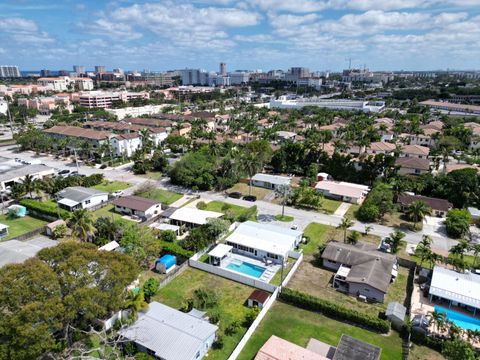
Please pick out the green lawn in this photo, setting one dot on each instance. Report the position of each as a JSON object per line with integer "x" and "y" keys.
{"x": 19, "y": 226}
{"x": 232, "y": 297}
{"x": 260, "y": 193}
{"x": 152, "y": 175}
{"x": 112, "y": 186}
{"x": 418, "y": 352}
{"x": 164, "y": 196}
{"x": 236, "y": 210}
{"x": 329, "y": 206}
{"x": 107, "y": 211}
{"x": 298, "y": 326}
{"x": 284, "y": 218}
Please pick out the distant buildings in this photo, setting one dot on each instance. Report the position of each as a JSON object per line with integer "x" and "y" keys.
{"x": 103, "y": 99}
{"x": 9, "y": 71}
{"x": 223, "y": 69}
{"x": 366, "y": 76}
{"x": 78, "y": 69}
{"x": 452, "y": 107}
{"x": 342, "y": 104}
{"x": 100, "y": 69}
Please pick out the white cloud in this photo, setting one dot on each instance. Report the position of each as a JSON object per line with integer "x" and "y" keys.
{"x": 20, "y": 30}
{"x": 114, "y": 30}
{"x": 17, "y": 25}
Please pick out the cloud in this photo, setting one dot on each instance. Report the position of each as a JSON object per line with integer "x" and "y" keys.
{"x": 20, "y": 30}
{"x": 113, "y": 30}
{"x": 17, "y": 25}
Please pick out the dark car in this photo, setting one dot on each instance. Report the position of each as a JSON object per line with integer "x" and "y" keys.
{"x": 250, "y": 198}
{"x": 235, "y": 195}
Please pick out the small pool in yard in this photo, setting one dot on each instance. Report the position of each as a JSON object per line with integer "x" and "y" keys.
{"x": 247, "y": 269}
{"x": 459, "y": 319}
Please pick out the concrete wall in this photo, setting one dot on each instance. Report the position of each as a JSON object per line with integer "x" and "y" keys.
{"x": 368, "y": 291}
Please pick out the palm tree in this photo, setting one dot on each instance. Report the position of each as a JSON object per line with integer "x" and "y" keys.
{"x": 424, "y": 249}
{"x": 147, "y": 142}
{"x": 353, "y": 237}
{"x": 368, "y": 228}
{"x": 395, "y": 240}
{"x": 458, "y": 251}
{"x": 416, "y": 211}
{"x": 81, "y": 223}
{"x": 30, "y": 185}
{"x": 437, "y": 318}
{"x": 135, "y": 301}
{"x": 345, "y": 225}
{"x": 251, "y": 165}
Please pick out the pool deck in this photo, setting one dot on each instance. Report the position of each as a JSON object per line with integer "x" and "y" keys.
{"x": 270, "y": 270}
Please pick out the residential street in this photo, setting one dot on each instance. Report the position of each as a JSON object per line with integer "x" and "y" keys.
{"x": 266, "y": 210}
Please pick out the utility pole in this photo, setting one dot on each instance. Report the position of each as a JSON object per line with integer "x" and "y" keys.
{"x": 76, "y": 159}
{"x": 10, "y": 117}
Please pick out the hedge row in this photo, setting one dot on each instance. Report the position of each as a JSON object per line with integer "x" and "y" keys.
{"x": 170, "y": 247}
{"x": 431, "y": 342}
{"x": 333, "y": 310}
{"x": 46, "y": 208}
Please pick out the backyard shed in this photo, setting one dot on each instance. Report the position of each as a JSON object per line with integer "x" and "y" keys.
{"x": 396, "y": 314}
{"x": 17, "y": 210}
{"x": 258, "y": 298}
{"x": 220, "y": 252}
{"x": 165, "y": 263}
{"x": 50, "y": 227}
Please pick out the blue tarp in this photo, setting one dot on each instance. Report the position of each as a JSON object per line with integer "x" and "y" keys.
{"x": 168, "y": 260}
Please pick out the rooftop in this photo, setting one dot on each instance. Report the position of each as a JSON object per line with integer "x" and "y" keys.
{"x": 259, "y": 295}
{"x": 79, "y": 132}
{"x": 434, "y": 203}
{"x": 342, "y": 188}
{"x": 413, "y": 163}
{"x": 135, "y": 202}
{"x": 350, "y": 348}
{"x": 170, "y": 333}
{"x": 194, "y": 216}
{"x": 279, "y": 349}
{"x": 12, "y": 170}
{"x": 79, "y": 193}
{"x": 273, "y": 179}
{"x": 415, "y": 150}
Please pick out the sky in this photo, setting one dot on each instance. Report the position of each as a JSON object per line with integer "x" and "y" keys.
{"x": 246, "y": 34}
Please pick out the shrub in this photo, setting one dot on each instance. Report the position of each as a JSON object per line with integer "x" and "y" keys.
{"x": 205, "y": 298}
{"x": 213, "y": 316}
{"x": 168, "y": 236}
{"x": 251, "y": 316}
{"x": 45, "y": 208}
{"x": 201, "y": 205}
{"x": 333, "y": 310}
{"x": 150, "y": 288}
{"x": 176, "y": 249}
{"x": 458, "y": 222}
{"x": 218, "y": 343}
{"x": 232, "y": 328}
{"x": 60, "y": 231}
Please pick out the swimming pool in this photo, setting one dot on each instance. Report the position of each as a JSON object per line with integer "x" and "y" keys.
{"x": 247, "y": 269}
{"x": 459, "y": 319}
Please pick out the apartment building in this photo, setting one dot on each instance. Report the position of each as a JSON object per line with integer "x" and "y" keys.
{"x": 102, "y": 99}
{"x": 9, "y": 71}
{"x": 46, "y": 104}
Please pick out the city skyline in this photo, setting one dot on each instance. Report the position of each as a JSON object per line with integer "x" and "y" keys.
{"x": 254, "y": 34}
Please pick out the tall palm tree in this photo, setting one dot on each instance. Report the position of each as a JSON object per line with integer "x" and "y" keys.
{"x": 416, "y": 211}
{"x": 396, "y": 238}
{"x": 345, "y": 225}
{"x": 424, "y": 248}
{"x": 81, "y": 222}
{"x": 458, "y": 251}
{"x": 30, "y": 185}
{"x": 147, "y": 142}
{"x": 250, "y": 164}
{"x": 438, "y": 319}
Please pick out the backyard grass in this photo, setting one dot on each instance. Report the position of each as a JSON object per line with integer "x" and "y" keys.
{"x": 320, "y": 234}
{"x": 236, "y": 210}
{"x": 108, "y": 212}
{"x": 284, "y": 218}
{"x": 231, "y": 302}
{"x": 277, "y": 278}
{"x": 112, "y": 186}
{"x": 242, "y": 188}
{"x": 164, "y": 196}
{"x": 19, "y": 226}
{"x": 298, "y": 326}
{"x": 418, "y": 352}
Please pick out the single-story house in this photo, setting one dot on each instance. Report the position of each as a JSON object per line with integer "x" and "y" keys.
{"x": 50, "y": 227}
{"x": 192, "y": 217}
{"x": 268, "y": 181}
{"x": 343, "y": 191}
{"x": 137, "y": 206}
{"x": 440, "y": 207}
{"x": 12, "y": 172}
{"x": 459, "y": 289}
{"x": 412, "y": 165}
{"x": 348, "y": 348}
{"x": 416, "y": 151}
{"x": 79, "y": 197}
{"x": 258, "y": 298}
{"x": 264, "y": 241}
{"x": 15, "y": 252}
{"x": 169, "y": 334}
{"x": 361, "y": 269}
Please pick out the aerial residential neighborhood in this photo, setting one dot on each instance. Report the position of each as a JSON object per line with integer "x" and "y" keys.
{"x": 256, "y": 180}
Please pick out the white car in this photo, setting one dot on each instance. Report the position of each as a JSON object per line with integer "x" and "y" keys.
{"x": 411, "y": 249}
{"x": 117, "y": 193}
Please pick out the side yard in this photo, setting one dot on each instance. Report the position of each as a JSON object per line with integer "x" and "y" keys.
{"x": 231, "y": 307}
{"x": 20, "y": 226}
{"x": 242, "y": 188}
{"x": 235, "y": 211}
{"x": 298, "y": 326}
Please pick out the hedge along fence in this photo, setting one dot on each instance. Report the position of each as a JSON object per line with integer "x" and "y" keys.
{"x": 333, "y": 310}
{"x": 170, "y": 247}
{"x": 47, "y": 209}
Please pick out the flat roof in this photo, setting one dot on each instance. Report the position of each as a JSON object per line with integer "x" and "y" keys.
{"x": 135, "y": 202}
{"x": 279, "y": 349}
{"x": 14, "y": 251}
{"x": 68, "y": 202}
{"x": 194, "y": 216}
{"x": 342, "y": 188}
{"x": 273, "y": 179}
{"x": 350, "y": 348}
{"x": 270, "y": 238}
{"x": 164, "y": 227}
{"x": 11, "y": 170}
{"x": 452, "y": 285}
{"x": 220, "y": 250}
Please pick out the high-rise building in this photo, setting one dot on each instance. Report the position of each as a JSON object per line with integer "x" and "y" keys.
{"x": 62, "y": 73}
{"x": 296, "y": 73}
{"x": 79, "y": 69}
{"x": 223, "y": 69}
{"x": 7, "y": 71}
{"x": 100, "y": 69}
{"x": 45, "y": 73}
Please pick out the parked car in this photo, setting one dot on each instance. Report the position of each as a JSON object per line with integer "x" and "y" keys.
{"x": 235, "y": 195}
{"x": 294, "y": 227}
{"x": 118, "y": 193}
{"x": 64, "y": 172}
{"x": 250, "y": 198}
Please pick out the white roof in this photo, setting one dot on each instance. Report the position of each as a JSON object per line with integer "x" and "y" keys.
{"x": 220, "y": 250}
{"x": 194, "y": 216}
{"x": 67, "y": 202}
{"x": 270, "y": 238}
{"x": 3, "y": 226}
{"x": 342, "y": 188}
{"x": 343, "y": 271}
{"x": 460, "y": 287}
{"x": 112, "y": 245}
{"x": 164, "y": 227}
{"x": 273, "y": 179}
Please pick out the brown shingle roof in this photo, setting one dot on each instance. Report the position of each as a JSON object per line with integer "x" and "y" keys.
{"x": 135, "y": 202}
{"x": 78, "y": 132}
{"x": 415, "y": 150}
{"x": 434, "y": 203}
{"x": 413, "y": 163}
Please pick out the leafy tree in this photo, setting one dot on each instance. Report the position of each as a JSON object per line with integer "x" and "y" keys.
{"x": 107, "y": 230}
{"x": 150, "y": 288}
{"x": 159, "y": 161}
{"x": 135, "y": 301}
{"x": 458, "y": 223}
{"x": 417, "y": 211}
{"x": 81, "y": 223}
{"x": 458, "y": 349}
{"x": 306, "y": 196}
{"x": 377, "y": 204}
{"x": 168, "y": 236}
{"x": 140, "y": 243}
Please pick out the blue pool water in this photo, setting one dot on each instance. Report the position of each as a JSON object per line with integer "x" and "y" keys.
{"x": 247, "y": 269}
{"x": 461, "y": 320}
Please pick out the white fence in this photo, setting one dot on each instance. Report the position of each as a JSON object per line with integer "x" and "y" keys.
{"x": 254, "y": 326}
{"x": 232, "y": 275}
{"x": 293, "y": 269}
